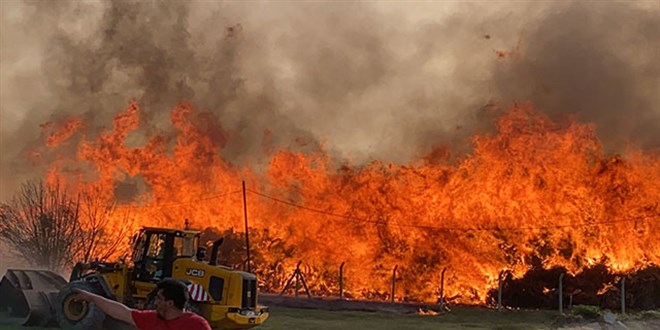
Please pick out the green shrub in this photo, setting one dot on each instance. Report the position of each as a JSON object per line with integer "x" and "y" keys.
{"x": 568, "y": 319}
{"x": 588, "y": 312}
{"x": 650, "y": 315}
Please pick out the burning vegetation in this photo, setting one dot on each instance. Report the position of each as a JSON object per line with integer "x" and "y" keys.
{"x": 360, "y": 134}
{"x": 536, "y": 194}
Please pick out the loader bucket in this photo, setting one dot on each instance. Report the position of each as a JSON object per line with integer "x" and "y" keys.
{"x": 29, "y": 296}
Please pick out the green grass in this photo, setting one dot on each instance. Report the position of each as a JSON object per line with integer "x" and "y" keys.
{"x": 471, "y": 318}
{"x": 459, "y": 318}
{"x": 17, "y": 327}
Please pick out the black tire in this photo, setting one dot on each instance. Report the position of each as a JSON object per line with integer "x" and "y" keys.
{"x": 77, "y": 315}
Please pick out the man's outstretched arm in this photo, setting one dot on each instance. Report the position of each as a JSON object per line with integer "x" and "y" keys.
{"x": 113, "y": 308}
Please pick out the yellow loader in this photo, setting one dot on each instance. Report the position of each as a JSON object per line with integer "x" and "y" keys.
{"x": 225, "y": 297}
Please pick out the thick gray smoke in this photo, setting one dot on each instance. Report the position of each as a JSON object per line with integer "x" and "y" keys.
{"x": 598, "y": 61}
{"x": 368, "y": 80}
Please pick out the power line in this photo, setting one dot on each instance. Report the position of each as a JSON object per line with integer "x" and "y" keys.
{"x": 167, "y": 205}
{"x": 435, "y": 228}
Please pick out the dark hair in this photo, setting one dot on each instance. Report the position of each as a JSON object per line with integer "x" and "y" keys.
{"x": 174, "y": 290}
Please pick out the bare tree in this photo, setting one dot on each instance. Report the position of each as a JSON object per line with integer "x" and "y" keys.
{"x": 41, "y": 223}
{"x": 105, "y": 226}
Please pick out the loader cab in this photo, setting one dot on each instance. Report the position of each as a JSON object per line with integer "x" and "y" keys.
{"x": 155, "y": 250}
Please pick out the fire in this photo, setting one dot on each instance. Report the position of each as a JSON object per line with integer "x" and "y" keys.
{"x": 537, "y": 192}
{"x": 429, "y": 312}
{"x": 68, "y": 128}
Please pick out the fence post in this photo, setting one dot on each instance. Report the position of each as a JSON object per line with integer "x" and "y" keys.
{"x": 561, "y": 293}
{"x": 298, "y": 276}
{"x": 302, "y": 279}
{"x": 499, "y": 291}
{"x": 442, "y": 289}
{"x": 297, "y": 283}
{"x": 623, "y": 295}
{"x": 394, "y": 282}
{"x": 341, "y": 280}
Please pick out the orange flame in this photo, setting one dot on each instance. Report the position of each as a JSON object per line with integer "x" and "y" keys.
{"x": 64, "y": 131}
{"x": 536, "y": 192}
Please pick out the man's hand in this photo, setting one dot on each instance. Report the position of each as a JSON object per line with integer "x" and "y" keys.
{"x": 83, "y": 295}
{"x": 110, "y": 307}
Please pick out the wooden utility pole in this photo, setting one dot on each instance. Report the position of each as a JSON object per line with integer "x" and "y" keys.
{"x": 247, "y": 236}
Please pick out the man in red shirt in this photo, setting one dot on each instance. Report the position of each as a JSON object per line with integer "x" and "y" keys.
{"x": 170, "y": 300}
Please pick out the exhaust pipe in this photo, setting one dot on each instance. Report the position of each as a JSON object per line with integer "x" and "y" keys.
{"x": 214, "y": 251}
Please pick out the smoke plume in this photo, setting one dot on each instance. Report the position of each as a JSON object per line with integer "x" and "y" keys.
{"x": 385, "y": 81}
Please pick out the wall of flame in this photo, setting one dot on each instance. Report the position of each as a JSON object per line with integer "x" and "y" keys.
{"x": 535, "y": 193}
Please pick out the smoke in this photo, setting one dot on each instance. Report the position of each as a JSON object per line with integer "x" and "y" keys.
{"x": 9, "y": 260}
{"x": 598, "y": 61}
{"x": 368, "y": 81}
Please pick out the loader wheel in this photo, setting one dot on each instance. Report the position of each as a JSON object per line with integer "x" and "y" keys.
{"x": 78, "y": 315}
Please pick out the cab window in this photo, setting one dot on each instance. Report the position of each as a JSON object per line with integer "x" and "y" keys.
{"x": 185, "y": 246}
{"x": 156, "y": 246}
{"x": 139, "y": 247}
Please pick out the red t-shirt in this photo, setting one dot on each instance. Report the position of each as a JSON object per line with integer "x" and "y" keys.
{"x": 149, "y": 320}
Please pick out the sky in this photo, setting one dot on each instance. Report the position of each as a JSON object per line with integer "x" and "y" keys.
{"x": 366, "y": 80}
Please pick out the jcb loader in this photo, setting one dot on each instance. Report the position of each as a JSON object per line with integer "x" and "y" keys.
{"x": 226, "y": 297}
